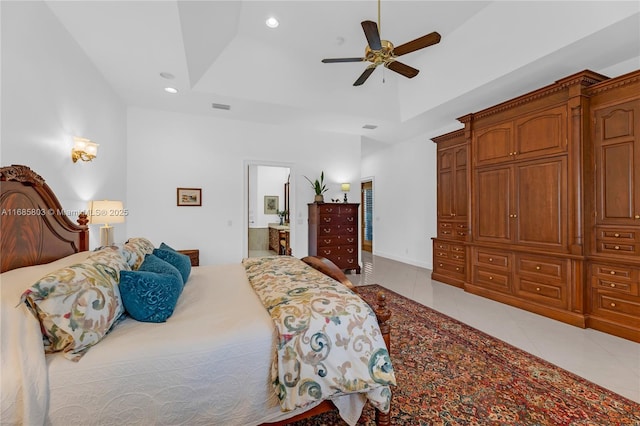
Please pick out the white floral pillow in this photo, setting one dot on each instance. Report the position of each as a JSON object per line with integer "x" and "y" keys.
{"x": 137, "y": 248}
{"x": 77, "y": 305}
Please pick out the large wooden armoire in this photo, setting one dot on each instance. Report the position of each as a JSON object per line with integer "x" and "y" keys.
{"x": 552, "y": 184}
{"x": 333, "y": 233}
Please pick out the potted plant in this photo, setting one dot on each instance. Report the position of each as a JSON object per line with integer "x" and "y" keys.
{"x": 319, "y": 187}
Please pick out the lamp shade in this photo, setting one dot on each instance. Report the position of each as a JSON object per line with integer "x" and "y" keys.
{"x": 105, "y": 212}
{"x": 346, "y": 187}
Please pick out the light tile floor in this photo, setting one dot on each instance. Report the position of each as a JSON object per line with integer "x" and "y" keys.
{"x": 609, "y": 361}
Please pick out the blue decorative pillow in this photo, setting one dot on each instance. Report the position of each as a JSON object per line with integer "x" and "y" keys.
{"x": 153, "y": 263}
{"x": 163, "y": 246}
{"x": 180, "y": 261}
{"x": 149, "y": 296}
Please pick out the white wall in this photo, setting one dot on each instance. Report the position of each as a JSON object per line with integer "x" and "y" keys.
{"x": 167, "y": 150}
{"x": 51, "y": 92}
{"x": 404, "y": 201}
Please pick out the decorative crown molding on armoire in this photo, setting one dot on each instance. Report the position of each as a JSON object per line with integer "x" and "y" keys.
{"x": 539, "y": 203}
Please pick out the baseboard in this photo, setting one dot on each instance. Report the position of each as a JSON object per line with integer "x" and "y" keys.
{"x": 406, "y": 260}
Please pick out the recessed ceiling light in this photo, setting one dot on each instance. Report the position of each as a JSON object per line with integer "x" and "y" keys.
{"x": 171, "y": 90}
{"x": 167, "y": 75}
{"x": 272, "y": 22}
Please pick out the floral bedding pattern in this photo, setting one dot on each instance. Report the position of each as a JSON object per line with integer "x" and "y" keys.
{"x": 78, "y": 304}
{"x": 329, "y": 341}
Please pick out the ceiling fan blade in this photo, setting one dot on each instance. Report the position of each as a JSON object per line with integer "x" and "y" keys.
{"x": 365, "y": 75}
{"x": 334, "y": 60}
{"x": 401, "y": 68}
{"x": 417, "y": 44}
{"x": 371, "y": 33}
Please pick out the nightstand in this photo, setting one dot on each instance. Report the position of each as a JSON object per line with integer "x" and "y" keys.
{"x": 194, "y": 255}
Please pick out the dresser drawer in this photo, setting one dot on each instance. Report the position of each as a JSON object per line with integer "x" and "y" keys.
{"x": 441, "y": 246}
{"x": 349, "y": 211}
{"x": 453, "y": 230}
{"x": 617, "y": 272}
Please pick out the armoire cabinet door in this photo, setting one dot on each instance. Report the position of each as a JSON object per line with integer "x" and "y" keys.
{"x": 541, "y": 209}
{"x": 618, "y": 164}
{"x": 494, "y": 144}
{"x": 523, "y": 203}
{"x": 452, "y": 183}
{"x": 493, "y": 205}
{"x": 541, "y": 133}
{"x": 446, "y": 187}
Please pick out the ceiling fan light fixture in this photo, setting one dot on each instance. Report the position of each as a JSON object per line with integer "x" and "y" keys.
{"x": 272, "y": 22}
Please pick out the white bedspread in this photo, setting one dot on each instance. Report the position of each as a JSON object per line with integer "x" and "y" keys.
{"x": 208, "y": 364}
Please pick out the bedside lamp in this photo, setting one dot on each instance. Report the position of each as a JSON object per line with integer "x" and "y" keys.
{"x": 345, "y": 187}
{"x": 106, "y": 212}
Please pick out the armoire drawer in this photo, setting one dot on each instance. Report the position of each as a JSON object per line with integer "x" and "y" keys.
{"x": 551, "y": 294}
{"x": 549, "y": 269}
{"x": 492, "y": 258}
{"x": 616, "y": 307}
{"x": 615, "y": 279}
{"x": 492, "y": 279}
{"x": 451, "y": 269}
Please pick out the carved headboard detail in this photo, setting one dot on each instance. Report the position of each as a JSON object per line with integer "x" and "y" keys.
{"x": 34, "y": 228}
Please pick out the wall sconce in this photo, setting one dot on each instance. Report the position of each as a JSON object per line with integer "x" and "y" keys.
{"x": 103, "y": 213}
{"x": 345, "y": 187}
{"x": 83, "y": 149}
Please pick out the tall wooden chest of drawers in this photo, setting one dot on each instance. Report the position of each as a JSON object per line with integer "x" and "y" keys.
{"x": 333, "y": 233}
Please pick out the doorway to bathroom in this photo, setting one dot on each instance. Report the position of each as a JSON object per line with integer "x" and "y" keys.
{"x": 268, "y": 209}
{"x": 366, "y": 201}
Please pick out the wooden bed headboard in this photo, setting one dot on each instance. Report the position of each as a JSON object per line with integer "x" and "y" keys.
{"x": 34, "y": 228}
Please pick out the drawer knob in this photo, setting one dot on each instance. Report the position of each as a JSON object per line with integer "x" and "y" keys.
{"x": 617, "y": 247}
{"x": 612, "y": 272}
{"x": 616, "y": 235}
{"x": 537, "y": 288}
{"x": 612, "y": 285}
{"x": 440, "y": 265}
{"x": 613, "y": 305}
{"x": 537, "y": 268}
{"x": 490, "y": 278}
{"x": 638, "y": 216}
{"x": 491, "y": 259}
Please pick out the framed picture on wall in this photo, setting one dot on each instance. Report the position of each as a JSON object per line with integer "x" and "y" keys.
{"x": 189, "y": 196}
{"x": 271, "y": 204}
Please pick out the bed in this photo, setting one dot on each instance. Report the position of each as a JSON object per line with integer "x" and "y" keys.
{"x": 216, "y": 360}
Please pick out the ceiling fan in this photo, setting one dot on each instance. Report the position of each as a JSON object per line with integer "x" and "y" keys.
{"x": 383, "y": 52}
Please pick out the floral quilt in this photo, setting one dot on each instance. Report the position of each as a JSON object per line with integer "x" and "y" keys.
{"x": 329, "y": 341}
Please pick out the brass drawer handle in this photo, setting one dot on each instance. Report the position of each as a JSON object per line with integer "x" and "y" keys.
{"x": 612, "y": 285}
{"x": 490, "y": 278}
{"x": 491, "y": 259}
{"x": 638, "y": 216}
{"x": 616, "y": 235}
{"x": 613, "y": 305}
{"x": 617, "y": 247}
{"x": 457, "y": 269}
{"x": 537, "y": 268}
{"x": 612, "y": 272}
{"x": 537, "y": 288}
{"x": 440, "y": 265}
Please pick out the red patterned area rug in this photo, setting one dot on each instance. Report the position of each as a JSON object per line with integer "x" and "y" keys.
{"x": 449, "y": 373}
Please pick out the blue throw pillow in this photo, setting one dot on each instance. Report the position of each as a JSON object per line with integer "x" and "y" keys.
{"x": 180, "y": 261}
{"x": 149, "y": 296}
{"x": 153, "y": 263}
{"x": 163, "y": 246}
